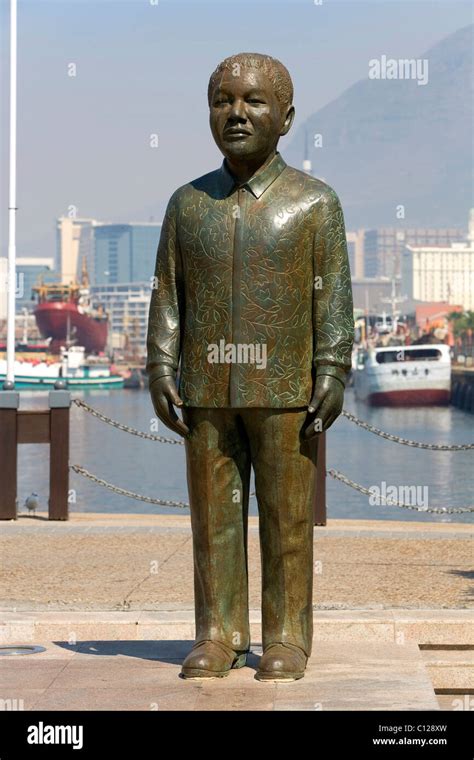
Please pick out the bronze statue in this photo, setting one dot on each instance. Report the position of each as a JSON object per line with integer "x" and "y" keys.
{"x": 253, "y": 304}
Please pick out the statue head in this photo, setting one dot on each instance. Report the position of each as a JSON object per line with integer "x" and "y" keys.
{"x": 250, "y": 100}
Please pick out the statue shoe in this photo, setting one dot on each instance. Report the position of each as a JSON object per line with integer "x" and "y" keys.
{"x": 281, "y": 662}
{"x": 211, "y": 659}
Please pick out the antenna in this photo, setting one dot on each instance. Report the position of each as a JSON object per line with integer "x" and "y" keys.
{"x": 307, "y": 166}
{"x": 394, "y": 299}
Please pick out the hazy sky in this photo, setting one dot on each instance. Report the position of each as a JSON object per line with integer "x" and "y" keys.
{"x": 142, "y": 68}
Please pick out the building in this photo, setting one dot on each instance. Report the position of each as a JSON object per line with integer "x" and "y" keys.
{"x": 29, "y": 271}
{"x": 370, "y": 254}
{"x": 125, "y": 253}
{"x": 434, "y": 318}
{"x": 440, "y": 274}
{"x": 443, "y": 273}
{"x": 127, "y": 305}
{"x": 355, "y": 250}
{"x": 74, "y": 240}
{"x": 391, "y": 242}
{"x": 378, "y": 252}
{"x": 363, "y": 253}
{"x": 112, "y": 252}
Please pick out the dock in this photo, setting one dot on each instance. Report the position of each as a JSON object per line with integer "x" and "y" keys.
{"x": 110, "y": 597}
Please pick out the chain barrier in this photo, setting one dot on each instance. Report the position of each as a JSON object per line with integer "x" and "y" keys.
{"x": 125, "y": 428}
{"x": 333, "y": 473}
{"x": 348, "y": 415}
{"x": 392, "y": 503}
{"x": 131, "y": 494}
{"x": 123, "y": 492}
{"x": 406, "y": 441}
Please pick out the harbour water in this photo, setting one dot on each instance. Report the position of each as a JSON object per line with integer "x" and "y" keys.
{"x": 158, "y": 470}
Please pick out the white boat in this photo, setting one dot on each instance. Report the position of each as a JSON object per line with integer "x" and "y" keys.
{"x": 418, "y": 375}
{"x": 73, "y": 367}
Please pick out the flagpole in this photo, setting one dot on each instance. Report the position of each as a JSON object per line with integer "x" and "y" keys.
{"x": 10, "y": 379}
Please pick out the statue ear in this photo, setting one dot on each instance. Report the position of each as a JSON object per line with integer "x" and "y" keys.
{"x": 290, "y": 115}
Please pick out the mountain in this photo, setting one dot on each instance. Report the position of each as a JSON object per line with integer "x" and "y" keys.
{"x": 394, "y": 141}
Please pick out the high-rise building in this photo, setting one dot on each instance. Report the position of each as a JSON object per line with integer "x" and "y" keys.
{"x": 112, "y": 252}
{"x": 355, "y": 250}
{"x": 362, "y": 250}
{"x": 376, "y": 253}
{"x": 441, "y": 273}
{"x": 74, "y": 240}
{"x": 127, "y": 305}
{"x": 125, "y": 253}
{"x": 391, "y": 242}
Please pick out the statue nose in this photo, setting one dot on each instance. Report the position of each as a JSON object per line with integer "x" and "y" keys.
{"x": 238, "y": 110}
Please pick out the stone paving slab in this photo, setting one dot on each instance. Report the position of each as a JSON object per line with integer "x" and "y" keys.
{"x": 450, "y": 669}
{"x": 425, "y": 627}
{"x": 144, "y": 562}
{"x": 112, "y": 597}
{"x": 129, "y": 519}
{"x": 104, "y": 675}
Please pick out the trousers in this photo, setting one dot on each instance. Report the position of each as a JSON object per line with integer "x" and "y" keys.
{"x": 223, "y": 445}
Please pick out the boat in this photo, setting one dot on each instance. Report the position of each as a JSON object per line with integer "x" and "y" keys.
{"x": 72, "y": 367}
{"x": 416, "y": 375}
{"x": 65, "y": 313}
{"x": 133, "y": 377}
{"x": 30, "y": 347}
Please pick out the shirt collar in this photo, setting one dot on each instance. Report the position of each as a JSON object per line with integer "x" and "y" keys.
{"x": 258, "y": 183}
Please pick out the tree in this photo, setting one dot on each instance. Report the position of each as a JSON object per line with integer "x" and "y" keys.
{"x": 462, "y": 324}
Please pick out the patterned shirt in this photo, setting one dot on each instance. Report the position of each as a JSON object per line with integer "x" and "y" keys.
{"x": 252, "y": 294}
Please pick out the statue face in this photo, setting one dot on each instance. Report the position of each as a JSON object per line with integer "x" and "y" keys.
{"x": 246, "y": 118}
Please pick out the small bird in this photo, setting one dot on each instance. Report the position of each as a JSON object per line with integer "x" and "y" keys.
{"x": 31, "y": 502}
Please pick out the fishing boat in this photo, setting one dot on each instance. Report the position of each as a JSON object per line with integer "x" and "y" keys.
{"x": 417, "y": 375}
{"x": 72, "y": 367}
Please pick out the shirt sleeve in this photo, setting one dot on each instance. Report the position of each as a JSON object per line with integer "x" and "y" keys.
{"x": 333, "y": 319}
{"x": 167, "y": 301}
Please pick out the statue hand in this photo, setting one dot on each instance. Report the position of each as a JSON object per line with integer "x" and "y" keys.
{"x": 325, "y": 406}
{"x": 163, "y": 395}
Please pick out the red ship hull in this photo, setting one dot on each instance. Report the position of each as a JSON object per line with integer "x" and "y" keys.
{"x": 419, "y": 397}
{"x": 56, "y": 318}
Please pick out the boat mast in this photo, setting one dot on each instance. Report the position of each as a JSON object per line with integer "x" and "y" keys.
{"x": 25, "y": 326}
{"x": 68, "y": 332}
{"x": 10, "y": 378}
{"x": 394, "y": 300}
